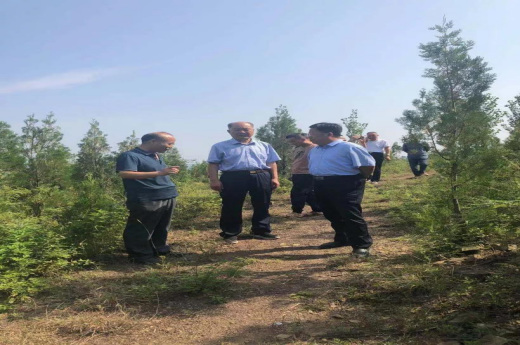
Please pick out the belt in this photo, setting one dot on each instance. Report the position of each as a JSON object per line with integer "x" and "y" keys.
{"x": 251, "y": 172}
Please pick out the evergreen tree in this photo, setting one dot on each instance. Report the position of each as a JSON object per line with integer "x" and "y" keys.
{"x": 457, "y": 115}
{"x": 130, "y": 142}
{"x": 93, "y": 156}
{"x": 46, "y": 158}
{"x": 11, "y": 158}
{"x": 513, "y": 141}
{"x": 274, "y": 132}
{"x": 352, "y": 124}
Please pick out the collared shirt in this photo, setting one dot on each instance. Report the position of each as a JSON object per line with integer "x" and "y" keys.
{"x": 377, "y": 145}
{"x": 147, "y": 189}
{"x": 232, "y": 155}
{"x": 300, "y": 164}
{"x": 416, "y": 150}
{"x": 338, "y": 158}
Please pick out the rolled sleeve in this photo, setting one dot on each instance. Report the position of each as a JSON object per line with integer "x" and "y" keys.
{"x": 272, "y": 156}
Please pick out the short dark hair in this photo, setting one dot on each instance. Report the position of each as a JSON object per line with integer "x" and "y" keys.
{"x": 159, "y": 136}
{"x": 296, "y": 135}
{"x": 328, "y": 127}
{"x": 229, "y": 125}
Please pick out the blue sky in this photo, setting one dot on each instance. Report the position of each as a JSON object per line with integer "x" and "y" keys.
{"x": 190, "y": 67}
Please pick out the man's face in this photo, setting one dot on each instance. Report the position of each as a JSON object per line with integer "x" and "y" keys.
{"x": 319, "y": 138}
{"x": 163, "y": 145}
{"x": 296, "y": 141}
{"x": 372, "y": 136}
{"x": 241, "y": 131}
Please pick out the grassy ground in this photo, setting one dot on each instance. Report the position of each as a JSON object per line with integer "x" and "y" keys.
{"x": 285, "y": 291}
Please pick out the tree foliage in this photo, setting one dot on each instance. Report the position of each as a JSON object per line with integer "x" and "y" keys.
{"x": 352, "y": 124}
{"x": 274, "y": 132}
{"x": 94, "y": 154}
{"x": 457, "y": 115}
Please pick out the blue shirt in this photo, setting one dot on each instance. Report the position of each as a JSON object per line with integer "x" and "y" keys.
{"x": 148, "y": 189}
{"x": 338, "y": 158}
{"x": 232, "y": 155}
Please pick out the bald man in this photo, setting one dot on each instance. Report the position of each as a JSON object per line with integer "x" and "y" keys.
{"x": 248, "y": 166}
{"x": 150, "y": 197}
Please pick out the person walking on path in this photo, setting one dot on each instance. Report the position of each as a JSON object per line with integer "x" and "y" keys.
{"x": 380, "y": 150}
{"x": 247, "y": 165}
{"x": 150, "y": 195}
{"x": 340, "y": 170}
{"x": 303, "y": 185}
{"x": 417, "y": 155}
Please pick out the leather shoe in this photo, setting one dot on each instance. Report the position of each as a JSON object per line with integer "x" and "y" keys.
{"x": 330, "y": 245}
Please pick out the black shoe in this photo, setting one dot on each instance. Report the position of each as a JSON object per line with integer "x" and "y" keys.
{"x": 330, "y": 245}
{"x": 164, "y": 250}
{"x": 361, "y": 252}
{"x": 266, "y": 236}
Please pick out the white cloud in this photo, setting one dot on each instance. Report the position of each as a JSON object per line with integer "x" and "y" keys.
{"x": 58, "y": 81}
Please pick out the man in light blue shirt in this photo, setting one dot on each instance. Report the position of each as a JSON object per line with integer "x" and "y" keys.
{"x": 247, "y": 165}
{"x": 340, "y": 170}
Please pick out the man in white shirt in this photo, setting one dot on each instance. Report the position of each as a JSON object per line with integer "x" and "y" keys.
{"x": 380, "y": 150}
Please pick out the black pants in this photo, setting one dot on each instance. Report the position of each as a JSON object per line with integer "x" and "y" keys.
{"x": 236, "y": 185}
{"x": 303, "y": 192}
{"x": 147, "y": 228}
{"x": 340, "y": 200}
{"x": 421, "y": 162}
{"x": 379, "y": 157}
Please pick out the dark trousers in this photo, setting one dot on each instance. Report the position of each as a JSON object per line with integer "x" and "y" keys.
{"x": 340, "y": 200}
{"x": 379, "y": 157}
{"x": 147, "y": 227}
{"x": 421, "y": 162}
{"x": 303, "y": 192}
{"x": 236, "y": 185}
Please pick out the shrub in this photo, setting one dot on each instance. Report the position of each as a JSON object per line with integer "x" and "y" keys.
{"x": 195, "y": 199}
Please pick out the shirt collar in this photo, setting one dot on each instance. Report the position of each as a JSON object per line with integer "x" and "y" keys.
{"x": 236, "y": 142}
{"x": 146, "y": 153}
{"x": 331, "y": 144}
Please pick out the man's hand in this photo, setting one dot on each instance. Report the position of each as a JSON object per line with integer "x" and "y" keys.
{"x": 388, "y": 157}
{"x": 275, "y": 183}
{"x": 216, "y": 185}
{"x": 169, "y": 170}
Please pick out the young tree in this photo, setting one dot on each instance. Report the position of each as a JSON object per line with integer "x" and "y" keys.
{"x": 457, "y": 115}
{"x": 274, "y": 132}
{"x": 130, "y": 142}
{"x": 93, "y": 156}
{"x": 46, "y": 158}
{"x": 352, "y": 124}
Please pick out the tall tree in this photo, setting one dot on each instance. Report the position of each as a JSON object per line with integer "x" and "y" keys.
{"x": 93, "y": 156}
{"x": 11, "y": 158}
{"x": 457, "y": 115}
{"x": 46, "y": 158}
{"x": 274, "y": 132}
{"x": 513, "y": 141}
{"x": 352, "y": 124}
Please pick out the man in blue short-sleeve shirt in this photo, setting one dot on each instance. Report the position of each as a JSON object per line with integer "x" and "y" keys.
{"x": 247, "y": 166}
{"x": 340, "y": 170}
{"x": 150, "y": 195}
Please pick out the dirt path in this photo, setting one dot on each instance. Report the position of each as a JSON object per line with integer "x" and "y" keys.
{"x": 268, "y": 305}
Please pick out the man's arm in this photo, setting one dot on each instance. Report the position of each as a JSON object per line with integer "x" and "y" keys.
{"x": 214, "y": 182}
{"x": 366, "y": 171}
{"x": 275, "y": 183}
{"x": 388, "y": 151}
{"x": 140, "y": 175}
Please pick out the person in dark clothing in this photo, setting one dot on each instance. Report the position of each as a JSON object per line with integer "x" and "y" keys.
{"x": 150, "y": 195}
{"x": 302, "y": 191}
{"x": 340, "y": 170}
{"x": 417, "y": 155}
{"x": 248, "y": 166}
